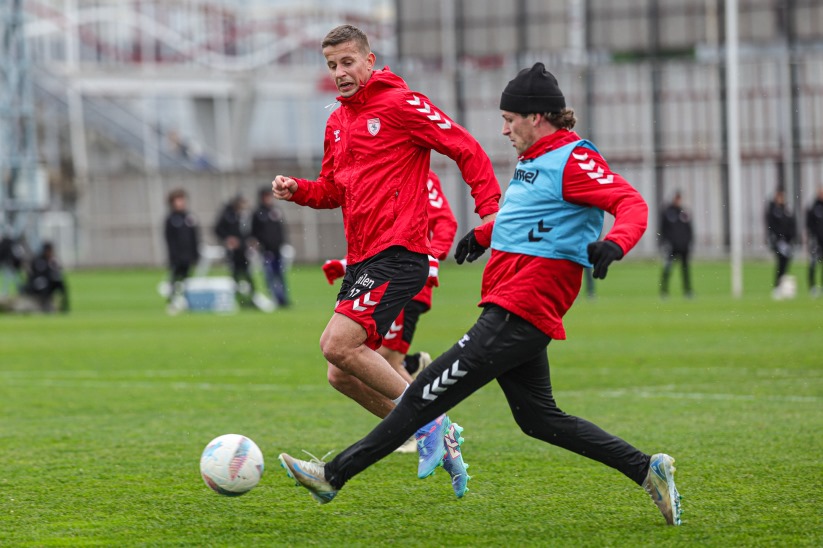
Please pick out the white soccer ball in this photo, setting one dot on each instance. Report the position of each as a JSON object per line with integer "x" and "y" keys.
{"x": 231, "y": 465}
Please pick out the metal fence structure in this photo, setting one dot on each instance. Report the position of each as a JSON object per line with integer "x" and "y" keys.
{"x": 647, "y": 81}
{"x": 239, "y": 92}
{"x": 688, "y": 124}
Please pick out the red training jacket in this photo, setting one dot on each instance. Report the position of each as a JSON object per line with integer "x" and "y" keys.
{"x": 542, "y": 290}
{"x": 376, "y": 156}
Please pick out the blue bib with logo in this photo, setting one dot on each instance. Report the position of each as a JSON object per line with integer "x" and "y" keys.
{"x": 535, "y": 219}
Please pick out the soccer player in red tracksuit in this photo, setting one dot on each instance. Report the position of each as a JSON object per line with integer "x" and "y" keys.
{"x": 376, "y": 158}
{"x": 442, "y": 229}
{"x": 543, "y": 237}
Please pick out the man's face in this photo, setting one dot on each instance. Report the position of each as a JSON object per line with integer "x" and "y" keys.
{"x": 520, "y": 129}
{"x": 348, "y": 66}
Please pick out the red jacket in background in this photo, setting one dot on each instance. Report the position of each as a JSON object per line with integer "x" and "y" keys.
{"x": 542, "y": 290}
{"x": 442, "y": 229}
{"x": 376, "y": 157}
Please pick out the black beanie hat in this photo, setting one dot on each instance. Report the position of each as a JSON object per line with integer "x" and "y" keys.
{"x": 533, "y": 90}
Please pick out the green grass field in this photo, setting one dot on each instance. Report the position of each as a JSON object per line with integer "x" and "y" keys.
{"x": 104, "y": 414}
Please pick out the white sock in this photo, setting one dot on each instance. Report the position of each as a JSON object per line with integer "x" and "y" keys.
{"x": 400, "y": 397}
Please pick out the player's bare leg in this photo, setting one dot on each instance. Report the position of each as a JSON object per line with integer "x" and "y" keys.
{"x": 395, "y": 359}
{"x": 372, "y": 401}
{"x": 342, "y": 345}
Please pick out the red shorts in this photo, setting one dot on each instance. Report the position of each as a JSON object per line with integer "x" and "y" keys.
{"x": 401, "y": 331}
{"x": 375, "y": 291}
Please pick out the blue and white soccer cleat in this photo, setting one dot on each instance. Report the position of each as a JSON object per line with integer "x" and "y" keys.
{"x": 309, "y": 474}
{"x": 659, "y": 484}
{"x": 431, "y": 447}
{"x": 453, "y": 461}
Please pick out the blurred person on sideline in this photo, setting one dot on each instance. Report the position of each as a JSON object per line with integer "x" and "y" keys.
{"x": 182, "y": 234}
{"x": 45, "y": 282}
{"x": 11, "y": 262}
{"x": 231, "y": 230}
{"x": 814, "y": 228}
{"x": 781, "y": 228}
{"x": 547, "y": 232}
{"x": 268, "y": 228}
{"x": 398, "y": 339}
{"x": 675, "y": 244}
{"x": 377, "y": 151}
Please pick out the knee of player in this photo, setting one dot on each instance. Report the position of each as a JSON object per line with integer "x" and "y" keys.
{"x": 333, "y": 353}
{"x": 526, "y": 423}
{"x": 327, "y": 343}
{"x": 336, "y": 349}
{"x": 549, "y": 421}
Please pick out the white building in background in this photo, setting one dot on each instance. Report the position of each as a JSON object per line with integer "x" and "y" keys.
{"x": 134, "y": 98}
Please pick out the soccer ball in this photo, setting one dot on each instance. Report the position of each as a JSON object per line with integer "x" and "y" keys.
{"x": 231, "y": 465}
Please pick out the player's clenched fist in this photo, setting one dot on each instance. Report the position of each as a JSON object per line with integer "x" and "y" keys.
{"x": 283, "y": 187}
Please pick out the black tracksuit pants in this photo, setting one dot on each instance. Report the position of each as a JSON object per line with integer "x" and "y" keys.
{"x": 499, "y": 346}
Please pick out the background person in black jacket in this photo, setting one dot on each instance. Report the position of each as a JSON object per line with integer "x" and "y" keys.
{"x": 11, "y": 260}
{"x": 45, "y": 281}
{"x": 814, "y": 227}
{"x": 182, "y": 240}
{"x": 231, "y": 229}
{"x": 675, "y": 243}
{"x": 269, "y": 229}
{"x": 781, "y": 232}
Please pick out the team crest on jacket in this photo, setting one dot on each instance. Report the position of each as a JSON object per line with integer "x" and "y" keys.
{"x": 373, "y": 125}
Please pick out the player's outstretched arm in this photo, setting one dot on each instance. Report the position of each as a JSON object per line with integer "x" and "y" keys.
{"x": 590, "y": 182}
{"x": 429, "y": 127}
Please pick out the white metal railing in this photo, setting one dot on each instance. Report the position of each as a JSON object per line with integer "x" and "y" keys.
{"x": 227, "y": 37}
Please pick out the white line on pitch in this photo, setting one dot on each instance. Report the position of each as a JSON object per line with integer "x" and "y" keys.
{"x": 137, "y": 374}
{"x": 175, "y": 385}
{"x": 655, "y": 394}
{"x": 650, "y": 392}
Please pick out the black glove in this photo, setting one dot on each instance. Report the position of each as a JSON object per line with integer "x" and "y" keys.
{"x": 601, "y": 255}
{"x": 468, "y": 249}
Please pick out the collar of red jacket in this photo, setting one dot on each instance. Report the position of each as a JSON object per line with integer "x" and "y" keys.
{"x": 543, "y": 145}
{"x": 380, "y": 80}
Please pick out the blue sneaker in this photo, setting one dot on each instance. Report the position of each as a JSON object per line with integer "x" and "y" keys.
{"x": 659, "y": 484}
{"x": 309, "y": 474}
{"x": 431, "y": 446}
{"x": 453, "y": 461}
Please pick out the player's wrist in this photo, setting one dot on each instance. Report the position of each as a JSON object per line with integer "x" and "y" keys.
{"x": 483, "y": 235}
